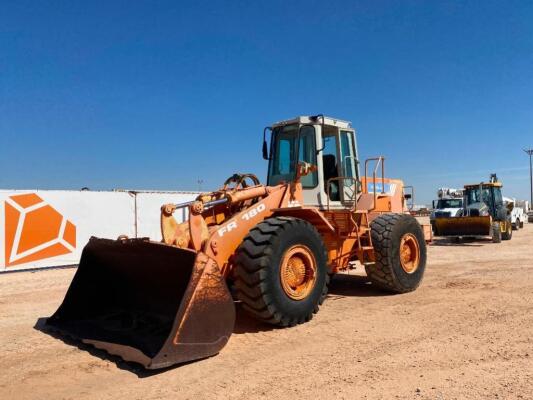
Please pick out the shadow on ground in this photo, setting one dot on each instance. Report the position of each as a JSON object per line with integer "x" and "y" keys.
{"x": 342, "y": 285}
{"x": 132, "y": 367}
{"x": 467, "y": 241}
{"x": 245, "y": 323}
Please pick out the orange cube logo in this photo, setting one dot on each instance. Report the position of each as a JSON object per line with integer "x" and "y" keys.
{"x": 34, "y": 230}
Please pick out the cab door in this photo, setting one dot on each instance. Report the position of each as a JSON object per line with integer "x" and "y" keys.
{"x": 339, "y": 168}
{"x": 307, "y": 152}
{"x": 349, "y": 167}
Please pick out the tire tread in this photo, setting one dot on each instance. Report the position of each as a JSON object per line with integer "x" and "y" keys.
{"x": 381, "y": 272}
{"x": 252, "y": 261}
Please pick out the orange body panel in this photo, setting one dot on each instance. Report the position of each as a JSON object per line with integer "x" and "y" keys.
{"x": 226, "y": 237}
{"x": 390, "y": 200}
{"x": 219, "y": 230}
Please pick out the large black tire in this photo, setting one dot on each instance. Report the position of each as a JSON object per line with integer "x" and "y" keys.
{"x": 387, "y": 272}
{"x": 521, "y": 224}
{"x": 496, "y": 232}
{"x": 508, "y": 233}
{"x": 258, "y": 268}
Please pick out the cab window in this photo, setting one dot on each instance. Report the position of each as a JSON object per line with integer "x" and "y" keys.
{"x": 347, "y": 154}
{"x": 307, "y": 153}
{"x": 498, "y": 199}
{"x": 282, "y": 165}
{"x": 349, "y": 166}
{"x": 330, "y": 165}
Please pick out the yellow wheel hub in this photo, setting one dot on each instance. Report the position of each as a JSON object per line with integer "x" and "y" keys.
{"x": 409, "y": 253}
{"x": 298, "y": 272}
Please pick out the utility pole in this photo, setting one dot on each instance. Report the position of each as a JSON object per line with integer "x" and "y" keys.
{"x": 530, "y": 153}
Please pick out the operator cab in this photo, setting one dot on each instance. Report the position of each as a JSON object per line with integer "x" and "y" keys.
{"x": 326, "y": 142}
{"x": 484, "y": 199}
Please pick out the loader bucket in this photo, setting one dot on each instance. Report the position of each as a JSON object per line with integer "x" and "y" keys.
{"x": 463, "y": 226}
{"x": 147, "y": 302}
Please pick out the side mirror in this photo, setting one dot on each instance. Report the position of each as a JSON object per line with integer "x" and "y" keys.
{"x": 433, "y": 204}
{"x": 265, "y": 145}
{"x": 510, "y": 206}
{"x": 265, "y": 150}
{"x": 407, "y": 196}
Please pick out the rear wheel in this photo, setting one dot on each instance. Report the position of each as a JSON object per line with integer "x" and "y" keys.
{"x": 400, "y": 251}
{"x": 521, "y": 224}
{"x": 496, "y": 232}
{"x": 281, "y": 271}
{"x": 508, "y": 233}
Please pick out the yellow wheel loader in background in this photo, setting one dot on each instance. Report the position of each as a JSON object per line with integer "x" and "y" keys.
{"x": 483, "y": 214}
{"x": 164, "y": 302}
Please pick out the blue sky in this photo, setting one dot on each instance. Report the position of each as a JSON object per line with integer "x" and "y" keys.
{"x": 157, "y": 94}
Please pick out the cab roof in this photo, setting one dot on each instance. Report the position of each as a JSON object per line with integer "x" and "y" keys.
{"x": 485, "y": 184}
{"x": 309, "y": 119}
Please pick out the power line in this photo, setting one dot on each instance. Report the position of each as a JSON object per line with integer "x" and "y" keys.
{"x": 530, "y": 153}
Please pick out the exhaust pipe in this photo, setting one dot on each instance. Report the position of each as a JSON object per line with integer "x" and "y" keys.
{"x": 147, "y": 302}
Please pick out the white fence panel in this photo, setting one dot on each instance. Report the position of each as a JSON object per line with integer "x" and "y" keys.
{"x": 149, "y": 209}
{"x": 41, "y": 228}
{"x": 46, "y": 228}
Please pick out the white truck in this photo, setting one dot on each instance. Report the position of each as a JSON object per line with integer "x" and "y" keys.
{"x": 528, "y": 211}
{"x": 449, "y": 203}
{"x": 518, "y": 213}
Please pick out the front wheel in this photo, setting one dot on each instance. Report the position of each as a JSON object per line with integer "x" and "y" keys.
{"x": 400, "y": 253}
{"x": 281, "y": 271}
{"x": 507, "y": 234}
{"x": 496, "y": 232}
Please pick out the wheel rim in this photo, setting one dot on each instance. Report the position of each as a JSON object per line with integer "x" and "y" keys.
{"x": 298, "y": 272}
{"x": 409, "y": 253}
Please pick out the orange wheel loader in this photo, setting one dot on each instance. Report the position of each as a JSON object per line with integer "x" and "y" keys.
{"x": 277, "y": 245}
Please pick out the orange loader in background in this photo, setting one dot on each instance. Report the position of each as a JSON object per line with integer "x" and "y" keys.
{"x": 161, "y": 303}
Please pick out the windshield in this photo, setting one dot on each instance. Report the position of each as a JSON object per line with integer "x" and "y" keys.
{"x": 450, "y": 203}
{"x": 282, "y": 166}
{"x": 286, "y": 153}
{"x": 476, "y": 196}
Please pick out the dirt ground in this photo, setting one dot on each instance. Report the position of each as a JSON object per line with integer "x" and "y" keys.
{"x": 466, "y": 333}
